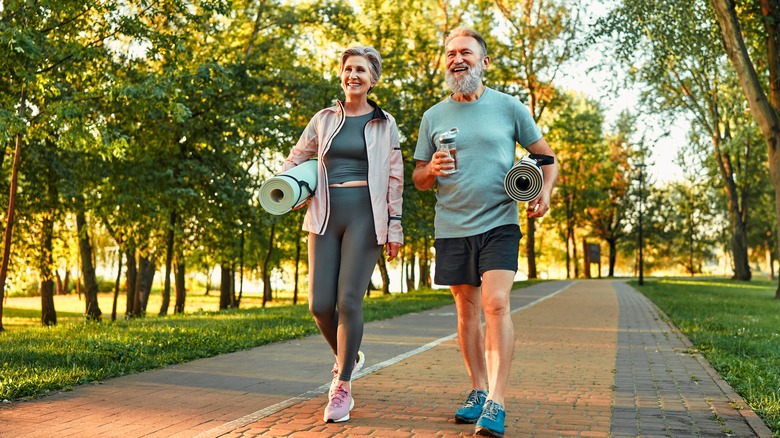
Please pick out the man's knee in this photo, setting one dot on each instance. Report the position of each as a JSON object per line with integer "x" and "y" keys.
{"x": 496, "y": 304}
{"x": 467, "y": 302}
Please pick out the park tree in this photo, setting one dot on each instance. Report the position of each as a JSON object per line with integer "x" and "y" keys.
{"x": 690, "y": 226}
{"x": 758, "y": 70}
{"x": 212, "y": 78}
{"x": 583, "y": 159}
{"x": 53, "y": 64}
{"x": 674, "y": 48}
{"x": 609, "y": 214}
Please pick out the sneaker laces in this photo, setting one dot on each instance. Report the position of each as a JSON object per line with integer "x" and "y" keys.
{"x": 339, "y": 396}
{"x": 472, "y": 400}
{"x": 491, "y": 410}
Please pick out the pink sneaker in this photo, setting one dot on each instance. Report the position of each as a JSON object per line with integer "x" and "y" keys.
{"x": 339, "y": 404}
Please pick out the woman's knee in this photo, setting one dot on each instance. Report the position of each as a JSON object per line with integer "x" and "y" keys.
{"x": 321, "y": 312}
{"x": 350, "y": 307}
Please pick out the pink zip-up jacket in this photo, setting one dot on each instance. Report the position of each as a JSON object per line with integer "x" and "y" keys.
{"x": 385, "y": 169}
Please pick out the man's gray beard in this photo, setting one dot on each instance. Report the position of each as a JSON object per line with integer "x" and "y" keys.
{"x": 467, "y": 84}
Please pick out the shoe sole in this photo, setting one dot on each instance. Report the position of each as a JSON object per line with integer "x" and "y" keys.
{"x": 484, "y": 431}
{"x": 338, "y": 420}
{"x": 464, "y": 420}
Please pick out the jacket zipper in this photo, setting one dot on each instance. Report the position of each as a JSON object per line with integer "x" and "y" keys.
{"x": 325, "y": 149}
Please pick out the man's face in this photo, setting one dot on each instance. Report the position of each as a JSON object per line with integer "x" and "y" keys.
{"x": 465, "y": 65}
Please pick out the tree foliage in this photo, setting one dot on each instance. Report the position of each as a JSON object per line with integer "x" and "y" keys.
{"x": 146, "y": 129}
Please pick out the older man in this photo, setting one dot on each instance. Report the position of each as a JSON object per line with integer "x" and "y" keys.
{"x": 477, "y": 225}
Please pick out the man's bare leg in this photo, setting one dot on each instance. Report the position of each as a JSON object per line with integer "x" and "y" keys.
{"x": 471, "y": 337}
{"x": 499, "y": 331}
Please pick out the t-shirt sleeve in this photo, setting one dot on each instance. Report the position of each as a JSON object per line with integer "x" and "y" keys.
{"x": 424, "y": 150}
{"x": 526, "y": 130}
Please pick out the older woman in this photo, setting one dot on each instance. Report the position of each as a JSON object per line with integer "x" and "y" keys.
{"x": 355, "y": 211}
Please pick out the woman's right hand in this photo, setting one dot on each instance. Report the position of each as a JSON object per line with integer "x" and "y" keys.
{"x": 303, "y": 204}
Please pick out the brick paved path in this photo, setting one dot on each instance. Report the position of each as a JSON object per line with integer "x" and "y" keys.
{"x": 581, "y": 349}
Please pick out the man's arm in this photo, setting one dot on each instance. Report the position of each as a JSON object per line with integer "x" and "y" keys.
{"x": 539, "y": 206}
{"x": 422, "y": 176}
{"x": 425, "y": 172}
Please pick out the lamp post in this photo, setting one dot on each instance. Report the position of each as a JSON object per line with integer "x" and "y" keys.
{"x": 641, "y": 239}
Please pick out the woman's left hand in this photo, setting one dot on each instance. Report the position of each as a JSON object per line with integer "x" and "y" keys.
{"x": 391, "y": 249}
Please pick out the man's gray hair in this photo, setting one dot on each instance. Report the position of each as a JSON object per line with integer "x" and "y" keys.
{"x": 469, "y": 32}
{"x": 368, "y": 52}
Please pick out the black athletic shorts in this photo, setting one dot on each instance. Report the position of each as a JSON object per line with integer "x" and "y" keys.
{"x": 463, "y": 260}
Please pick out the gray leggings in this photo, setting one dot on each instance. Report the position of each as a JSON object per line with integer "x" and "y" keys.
{"x": 341, "y": 262}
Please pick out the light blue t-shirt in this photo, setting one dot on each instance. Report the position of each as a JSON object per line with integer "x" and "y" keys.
{"x": 473, "y": 201}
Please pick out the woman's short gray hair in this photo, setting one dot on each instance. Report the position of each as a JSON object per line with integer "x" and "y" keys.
{"x": 368, "y": 52}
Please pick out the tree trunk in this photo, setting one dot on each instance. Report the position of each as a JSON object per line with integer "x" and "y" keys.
{"x": 240, "y": 272}
{"x": 11, "y": 209}
{"x": 574, "y": 257}
{"x": 612, "y": 256}
{"x": 267, "y": 293}
{"x": 770, "y": 264}
{"x": 691, "y": 254}
{"x": 146, "y": 270}
{"x": 209, "y": 273}
{"x": 425, "y": 265}
{"x": 66, "y": 282}
{"x": 166, "y": 294}
{"x": 48, "y": 314}
{"x": 116, "y": 286}
{"x": 385, "y": 276}
{"x": 87, "y": 268}
{"x": 530, "y": 249}
{"x": 738, "y": 206}
{"x": 298, "y": 248}
{"x": 63, "y": 283}
{"x": 179, "y": 286}
{"x": 410, "y": 274}
{"x": 131, "y": 277}
{"x": 569, "y": 240}
{"x": 740, "y": 250}
{"x": 225, "y": 287}
{"x": 233, "y": 301}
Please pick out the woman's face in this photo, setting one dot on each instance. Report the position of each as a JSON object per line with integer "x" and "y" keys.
{"x": 356, "y": 77}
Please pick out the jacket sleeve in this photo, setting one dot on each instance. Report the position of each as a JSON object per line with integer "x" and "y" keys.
{"x": 306, "y": 148}
{"x": 395, "y": 189}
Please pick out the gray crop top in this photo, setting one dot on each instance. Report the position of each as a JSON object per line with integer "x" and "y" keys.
{"x": 347, "y": 160}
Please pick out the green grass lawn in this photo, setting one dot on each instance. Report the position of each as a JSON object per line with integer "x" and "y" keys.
{"x": 36, "y": 360}
{"x": 736, "y": 325}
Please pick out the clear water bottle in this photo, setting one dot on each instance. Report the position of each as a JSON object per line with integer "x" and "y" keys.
{"x": 447, "y": 144}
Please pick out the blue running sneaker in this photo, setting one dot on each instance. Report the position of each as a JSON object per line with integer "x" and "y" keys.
{"x": 472, "y": 408}
{"x": 491, "y": 422}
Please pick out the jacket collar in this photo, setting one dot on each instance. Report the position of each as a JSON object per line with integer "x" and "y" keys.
{"x": 378, "y": 112}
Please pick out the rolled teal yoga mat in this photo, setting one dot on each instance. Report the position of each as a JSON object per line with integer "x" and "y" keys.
{"x": 289, "y": 189}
